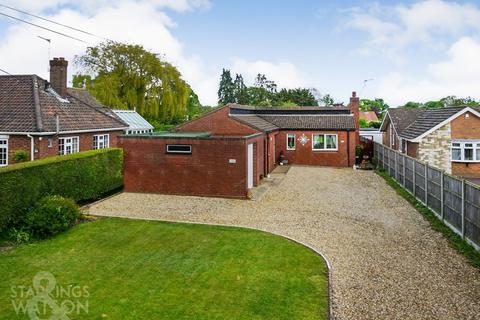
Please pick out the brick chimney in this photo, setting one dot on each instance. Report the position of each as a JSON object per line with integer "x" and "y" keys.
{"x": 58, "y": 75}
{"x": 355, "y": 110}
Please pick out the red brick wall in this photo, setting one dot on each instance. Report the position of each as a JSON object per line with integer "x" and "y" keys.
{"x": 205, "y": 172}
{"x": 303, "y": 154}
{"x": 22, "y": 142}
{"x": 466, "y": 128}
{"x": 218, "y": 123}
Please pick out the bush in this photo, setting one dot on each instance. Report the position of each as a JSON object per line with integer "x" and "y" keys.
{"x": 20, "y": 156}
{"x": 19, "y": 235}
{"x": 52, "y": 215}
{"x": 81, "y": 176}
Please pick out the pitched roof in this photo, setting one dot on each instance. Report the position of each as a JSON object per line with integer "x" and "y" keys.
{"x": 29, "y": 104}
{"x": 256, "y": 122}
{"x": 368, "y": 115}
{"x": 243, "y": 109}
{"x": 401, "y": 117}
{"x": 134, "y": 120}
{"x": 429, "y": 119}
{"x": 313, "y": 122}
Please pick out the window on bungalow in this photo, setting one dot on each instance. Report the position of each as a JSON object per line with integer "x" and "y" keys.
{"x": 67, "y": 145}
{"x": 324, "y": 142}
{"x": 3, "y": 152}
{"x": 101, "y": 141}
{"x": 179, "y": 148}
{"x": 465, "y": 151}
{"x": 290, "y": 141}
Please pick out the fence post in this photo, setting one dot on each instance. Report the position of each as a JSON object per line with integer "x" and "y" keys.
{"x": 383, "y": 158}
{"x": 403, "y": 157}
{"x": 426, "y": 184}
{"x": 396, "y": 166}
{"x": 414, "y": 177}
{"x": 442, "y": 200}
{"x": 463, "y": 208}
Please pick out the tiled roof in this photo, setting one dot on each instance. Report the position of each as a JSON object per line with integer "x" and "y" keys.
{"x": 427, "y": 120}
{"x": 312, "y": 122}
{"x": 402, "y": 117}
{"x": 28, "y": 104}
{"x": 256, "y": 122}
{"x": 368, "y": 115}
{"x": 242, "y": 109}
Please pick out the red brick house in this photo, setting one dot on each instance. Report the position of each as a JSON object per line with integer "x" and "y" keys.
{"x": 230, "y": 149}
{"x": 446, "y": 138}
{"x": 47, "y": 118}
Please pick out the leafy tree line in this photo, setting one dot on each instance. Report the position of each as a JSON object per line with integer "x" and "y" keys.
{"x": 449, "y": 101}
{"x": 123, "y": 76}
{"x": 264, "y": 92}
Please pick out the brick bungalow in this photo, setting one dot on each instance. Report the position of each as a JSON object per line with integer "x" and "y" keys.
{"x": 446, "y": 138}
{"x": 231, "y": 149}
{"x": 396, "y": 120}
{"x": 47, "y": 118}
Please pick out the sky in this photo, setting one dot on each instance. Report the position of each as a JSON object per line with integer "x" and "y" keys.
{"x": 407, "y": 50}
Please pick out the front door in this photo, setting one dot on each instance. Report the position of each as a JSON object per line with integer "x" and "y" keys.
{"x": 250, "y": 165}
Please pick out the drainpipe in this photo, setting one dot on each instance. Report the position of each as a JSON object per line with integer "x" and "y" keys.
{"x": 32, "y": 147}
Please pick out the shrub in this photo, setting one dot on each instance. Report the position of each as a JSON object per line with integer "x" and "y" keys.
{"x": 19, "y": 235}
{"x": 81, "y": 176}
{"x": 52, "y": 215}
{"x": 20, "y": 156}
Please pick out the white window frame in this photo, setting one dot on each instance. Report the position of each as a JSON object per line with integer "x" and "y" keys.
{"x": 76, "y": 150}
{"x": 462, "y": 147}
{"x": 177, "y": 151}
{"x": 324, "y": 142}
{"x": 3, "y": 138}
{"x": 100, "y": 138}
{"x": 294, "y": 141}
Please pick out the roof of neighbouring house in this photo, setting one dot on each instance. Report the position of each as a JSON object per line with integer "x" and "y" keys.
{"x": 312, "y": 122}
{"x": 428, "y": 120}
{"x": 134, "y": 120}
{"x": 29, "y": 105}
{"x": 243, "y": 109}
{"x": 401, "y": 118}
{"x": 368, "y": 115}
{"x": 256, "y": 122}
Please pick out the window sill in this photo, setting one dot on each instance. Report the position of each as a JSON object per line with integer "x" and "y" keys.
{"x": 325, "y": 150}
{"x": 466, "y": 161}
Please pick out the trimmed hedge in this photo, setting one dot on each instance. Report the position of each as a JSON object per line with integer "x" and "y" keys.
{"x": 80, "y": 176}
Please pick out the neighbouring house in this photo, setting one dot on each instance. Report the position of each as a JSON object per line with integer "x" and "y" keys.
{"x": 136, "y": 123}
{"x": 47, "y": 118}
{"x": 395, "y": 121}
{"x": 231, "y": 149}
{"x": 368, "y": 116}
{"x": 446, "y": 138}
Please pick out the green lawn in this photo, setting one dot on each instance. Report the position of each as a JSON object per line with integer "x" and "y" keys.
{"x": 155, "y": 270}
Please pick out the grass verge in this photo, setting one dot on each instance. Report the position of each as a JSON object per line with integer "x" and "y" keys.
{"x": 155, "y": 270}
{"x": 472, "y": 255}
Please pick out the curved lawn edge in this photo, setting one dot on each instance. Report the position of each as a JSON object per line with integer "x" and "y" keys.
{"x": 316, "y": 251}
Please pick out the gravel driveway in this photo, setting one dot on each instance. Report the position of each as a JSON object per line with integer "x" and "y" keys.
{"x": 386, "y": 261}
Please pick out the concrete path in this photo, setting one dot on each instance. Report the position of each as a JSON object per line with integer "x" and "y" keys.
{"x": 387, "y": 263}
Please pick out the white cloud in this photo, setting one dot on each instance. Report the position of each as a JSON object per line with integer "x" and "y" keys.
{"x": 456, "y": 75}
{"x": 22, "y": 52}
{"x": 284, "y": 73}
{"x": 391, "y": 28}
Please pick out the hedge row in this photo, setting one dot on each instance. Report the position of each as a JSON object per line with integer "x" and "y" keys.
{"x": 81, "y": 176}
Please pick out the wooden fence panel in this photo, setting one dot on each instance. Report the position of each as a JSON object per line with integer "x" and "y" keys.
{"x": 454, "y": 200}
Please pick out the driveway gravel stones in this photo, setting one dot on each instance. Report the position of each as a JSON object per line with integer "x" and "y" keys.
{"x": 386, "y": 261}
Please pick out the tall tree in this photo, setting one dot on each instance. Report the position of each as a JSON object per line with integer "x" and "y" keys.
{"x": 240, "y": 88}
{"x": 327, "y": 100}
{"x": 226, "y": 89}
{"x": 125, "y": 76}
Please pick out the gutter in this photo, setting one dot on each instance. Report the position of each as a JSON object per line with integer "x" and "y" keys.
{"x": 62, "y": 132}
